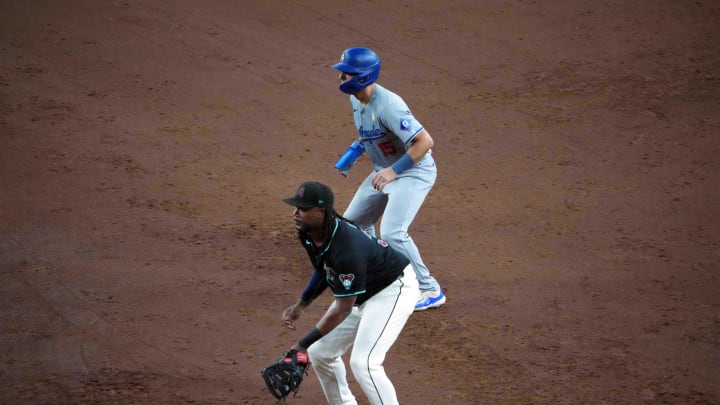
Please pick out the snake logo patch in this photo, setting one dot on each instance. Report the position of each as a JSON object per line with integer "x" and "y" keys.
{"x": 346, "y": 280}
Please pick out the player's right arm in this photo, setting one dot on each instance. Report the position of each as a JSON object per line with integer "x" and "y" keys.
{"x": 293, "y": 312}
{"x": 336, "y": 313}
{"x": 316, "y": 285}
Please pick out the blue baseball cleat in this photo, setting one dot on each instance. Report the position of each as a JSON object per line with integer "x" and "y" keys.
{"x": 430, "y": 299}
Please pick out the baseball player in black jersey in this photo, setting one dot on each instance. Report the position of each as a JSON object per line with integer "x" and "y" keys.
{"x": 375, "y": 290}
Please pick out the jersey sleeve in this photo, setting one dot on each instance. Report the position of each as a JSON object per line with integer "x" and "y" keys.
{"x": 398, "y": 118}
{"x": 315, "y": 286}
{"x": 350, "y": 274}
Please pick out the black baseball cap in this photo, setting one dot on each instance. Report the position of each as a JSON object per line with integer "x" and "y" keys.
{"x": 312, "y": 194}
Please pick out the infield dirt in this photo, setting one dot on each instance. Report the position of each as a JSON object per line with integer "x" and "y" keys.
{"x": 145, "y": 146}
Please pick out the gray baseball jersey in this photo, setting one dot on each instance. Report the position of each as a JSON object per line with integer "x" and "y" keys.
{"x": 387, "y": 129}
{"x": 386, "y": 126}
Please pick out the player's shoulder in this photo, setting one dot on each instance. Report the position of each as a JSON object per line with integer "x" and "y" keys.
{"x": 383, "y": 93}
{"x": 351, "y": 233}
{"x": 388, "y": 98}
{"x": 347, "y": 227}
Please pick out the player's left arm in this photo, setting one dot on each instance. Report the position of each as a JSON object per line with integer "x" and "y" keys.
{"x": 420, "y": 145}
{"x": 337, "y": 313}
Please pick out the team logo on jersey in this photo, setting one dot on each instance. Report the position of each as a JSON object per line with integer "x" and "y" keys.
{"x": 382, "y": 243}
{"x": 346, "y": 280}
{"x": 405, "y": 124}
{"x": 329, "y": 274}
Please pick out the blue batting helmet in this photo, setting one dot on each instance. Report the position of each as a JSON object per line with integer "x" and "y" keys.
{"x": 363, "y": 63}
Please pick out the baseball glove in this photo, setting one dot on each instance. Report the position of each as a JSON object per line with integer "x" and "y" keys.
{"x": 285, "y": 375}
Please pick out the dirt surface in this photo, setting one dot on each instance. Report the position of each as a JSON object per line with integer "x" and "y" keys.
{"x": 145, "y": 147}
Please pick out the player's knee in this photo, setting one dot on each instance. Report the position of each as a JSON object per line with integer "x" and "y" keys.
{"x": 363, "y": 365}
{"x": 359, "y": 366}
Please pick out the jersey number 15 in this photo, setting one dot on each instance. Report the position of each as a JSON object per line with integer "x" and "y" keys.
{"x": 387, "y": 148}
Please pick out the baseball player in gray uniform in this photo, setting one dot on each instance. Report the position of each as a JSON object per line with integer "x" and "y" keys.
{"x": 404, "y": 171}
{"x": 375, "y": 292}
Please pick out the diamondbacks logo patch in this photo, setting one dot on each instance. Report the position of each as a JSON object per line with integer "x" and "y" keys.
{"x": 346, "y": 280}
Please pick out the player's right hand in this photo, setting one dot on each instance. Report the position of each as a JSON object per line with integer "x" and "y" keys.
{"x": 290, "y": 315}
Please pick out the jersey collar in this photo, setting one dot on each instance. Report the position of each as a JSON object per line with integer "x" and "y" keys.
{"x": 325, "y": 248}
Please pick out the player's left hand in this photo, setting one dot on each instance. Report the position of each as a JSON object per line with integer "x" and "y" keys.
{"x": 286, "y": 374}
{"x": 383, "y": 177}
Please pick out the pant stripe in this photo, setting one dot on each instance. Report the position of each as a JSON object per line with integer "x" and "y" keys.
{"x": 402, "y": 285}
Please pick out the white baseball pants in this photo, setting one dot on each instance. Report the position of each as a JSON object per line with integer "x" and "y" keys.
{"x": 371, "y": 329}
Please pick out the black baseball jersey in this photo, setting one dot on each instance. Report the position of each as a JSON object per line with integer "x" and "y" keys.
{"x": 352, "y": 263}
